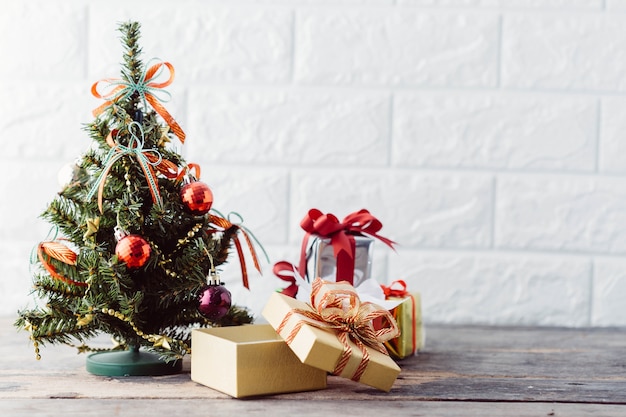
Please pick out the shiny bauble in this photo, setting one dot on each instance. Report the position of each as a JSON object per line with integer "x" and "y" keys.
{"x": 214, "y": 302}
{"x": 133, "y": 250}
{"x": 197, "y": 198}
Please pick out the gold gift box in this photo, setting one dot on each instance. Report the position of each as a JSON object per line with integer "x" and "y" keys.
{"x": 409, "y": 319}
{"x": 323, "y": 350}
{"x": 244, "y": 361}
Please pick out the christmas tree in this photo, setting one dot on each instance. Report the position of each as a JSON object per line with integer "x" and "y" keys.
{"x": 135, "y": 237}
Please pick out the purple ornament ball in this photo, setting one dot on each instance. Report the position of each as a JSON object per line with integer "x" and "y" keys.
{"x": 215, "y": 301}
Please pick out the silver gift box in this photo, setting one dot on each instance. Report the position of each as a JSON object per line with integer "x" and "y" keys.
{"x": 321, "y": 261}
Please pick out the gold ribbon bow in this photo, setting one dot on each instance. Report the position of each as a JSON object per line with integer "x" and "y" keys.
{"x": 337, "y": 307}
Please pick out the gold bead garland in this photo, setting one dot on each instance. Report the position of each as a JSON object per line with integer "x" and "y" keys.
{"x": 31, "y": 328}
{"x": 156, "y": 340}
{"x": 190, "y": 234}
{"x": 163, "y": 262}
{"x": 181, "y": 242}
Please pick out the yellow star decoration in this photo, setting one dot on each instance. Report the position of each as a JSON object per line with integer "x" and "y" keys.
{"x": 83, "y": 349}
{"x": 92, "y": 227}
{"x": 162, "y": 341}
{"x": 164, "y": 136}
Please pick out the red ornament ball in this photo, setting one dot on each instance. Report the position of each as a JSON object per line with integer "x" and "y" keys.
{"x": 133, "y": 250}
{"x": 215, "y": 301}
{"x": 197, "y": 197}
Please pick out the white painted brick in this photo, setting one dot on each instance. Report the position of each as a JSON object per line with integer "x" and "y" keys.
{"x": 617, "y": 5}
{"x": 416, "y": 209}
{"x": 44, "y": 121}
{"x": 293, "y": 3}
{"x": 561, "y": 214}
{"x": 290, "y": 127}
{"x": 403, "y": 47}
{"x": 203, "y": 43}
{"x": 497, "y": 289}
{"x": 609, "y": 292}
{"x": 31, "y": 187}
{"x": 304, "y": 121}
{"x": 530, "y": 4}
{"x": 494, "y": 131}
{"x": 259, "y": 196}
{"x": 612, "y": 136}
{"x": 42, "y": 39}
{"x": 17, "y": 284}
{"x": 556, "y": 51}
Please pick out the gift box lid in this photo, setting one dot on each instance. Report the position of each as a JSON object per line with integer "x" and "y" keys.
{"x": 321, "y": 348}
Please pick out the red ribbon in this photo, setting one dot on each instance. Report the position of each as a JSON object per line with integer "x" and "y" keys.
{"x": 341, "y": 235}
{"x": 287, "y": 272}
{"x": 393, "y": 291}
{"x": 225, "y": 225}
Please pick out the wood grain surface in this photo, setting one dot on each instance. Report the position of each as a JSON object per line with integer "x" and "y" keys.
{"x": 469, "y": 371}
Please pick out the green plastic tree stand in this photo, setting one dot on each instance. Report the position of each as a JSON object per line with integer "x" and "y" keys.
{"x": 131, "y": 362}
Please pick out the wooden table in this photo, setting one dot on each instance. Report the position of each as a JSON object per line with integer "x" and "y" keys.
{"x": 466, "y": 371}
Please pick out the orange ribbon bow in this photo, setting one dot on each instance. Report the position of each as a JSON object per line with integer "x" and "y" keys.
{"x": 337, "y": 307}
{"x": 146, "y": 87}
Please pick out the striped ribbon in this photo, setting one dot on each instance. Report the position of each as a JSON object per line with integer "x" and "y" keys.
{"x": 225, "y": 223}
{"x": 145, "y": 158}
{"x": 337, "y": 307}
{"x": 60, "y": 252}
{"x": 150, "y": 91}
{"x": 164, "y": 166}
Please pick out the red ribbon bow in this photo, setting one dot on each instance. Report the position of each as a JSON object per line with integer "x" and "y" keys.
{"x": 341, "y": 235}
{"x": 393, "y": 291}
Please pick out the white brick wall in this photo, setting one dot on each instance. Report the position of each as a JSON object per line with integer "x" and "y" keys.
{"x": 487, "y": 136}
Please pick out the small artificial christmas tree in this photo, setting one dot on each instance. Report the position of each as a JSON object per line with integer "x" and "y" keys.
{"x": 136, "y": 238}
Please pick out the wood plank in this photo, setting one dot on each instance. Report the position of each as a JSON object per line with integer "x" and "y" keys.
{"x": 279, "y": 408}
{"x": 467, "y": 364}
